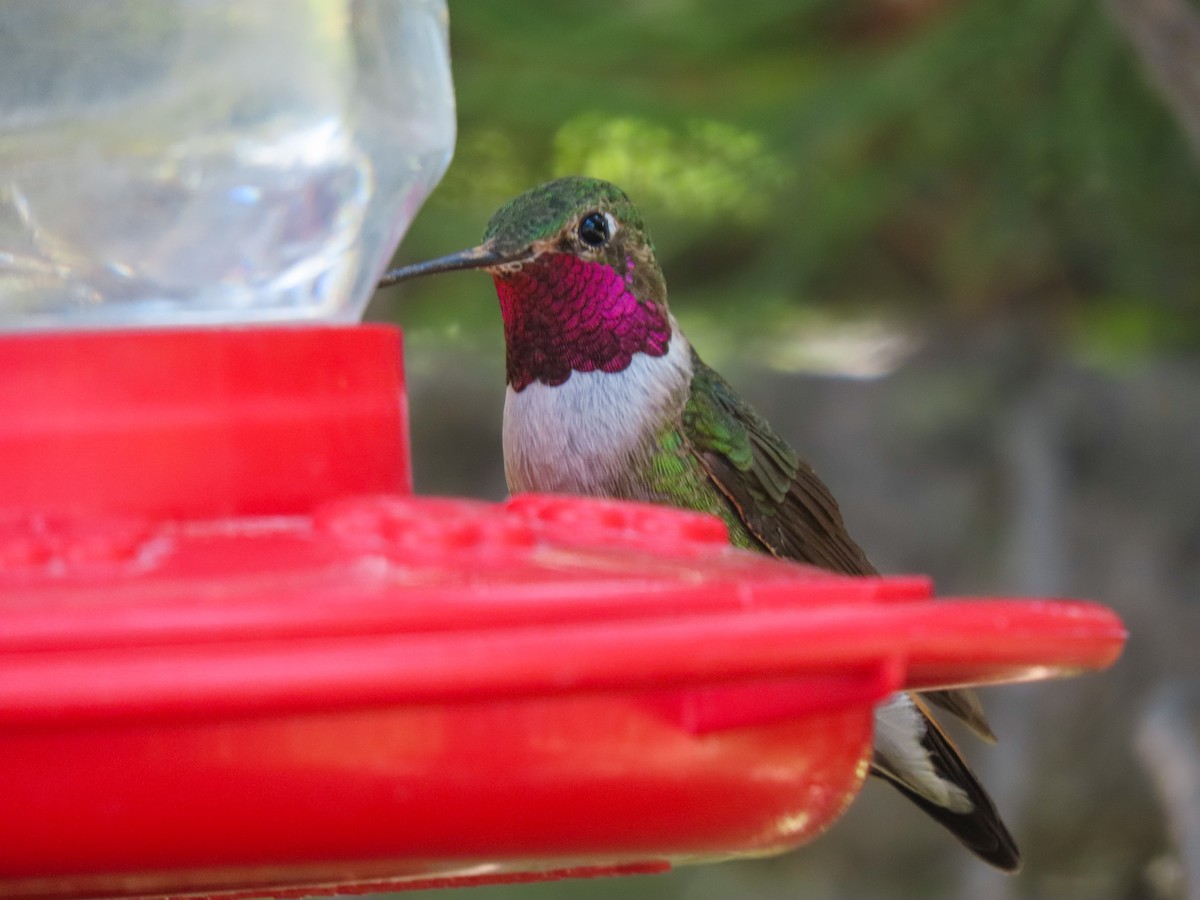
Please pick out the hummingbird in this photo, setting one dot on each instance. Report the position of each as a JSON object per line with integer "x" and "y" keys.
{"x": 607, "y": 398}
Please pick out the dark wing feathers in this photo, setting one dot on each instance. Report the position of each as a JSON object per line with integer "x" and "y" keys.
{"x": 964, "y": 704}
{"x": 776, "y": 494}
{"x": 791, "y": 512}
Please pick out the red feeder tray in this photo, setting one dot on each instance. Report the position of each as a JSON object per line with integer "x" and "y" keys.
{"x": 251, "y": 682}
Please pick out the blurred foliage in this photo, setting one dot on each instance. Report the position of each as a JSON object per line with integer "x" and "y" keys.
{"x": 709, "y": 172}
{"x": 926, "y": 158}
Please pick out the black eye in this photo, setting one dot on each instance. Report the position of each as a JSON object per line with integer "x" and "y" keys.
{"x": 594, "y": 230}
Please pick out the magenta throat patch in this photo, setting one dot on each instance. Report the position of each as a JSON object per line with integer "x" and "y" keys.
{"x": 563, "y": 314}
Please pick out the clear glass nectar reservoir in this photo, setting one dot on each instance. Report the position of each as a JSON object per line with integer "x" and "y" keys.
{"x": 167, "y": 162}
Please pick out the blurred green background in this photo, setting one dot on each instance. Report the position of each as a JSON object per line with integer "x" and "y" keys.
{"x": 952, "y": 250}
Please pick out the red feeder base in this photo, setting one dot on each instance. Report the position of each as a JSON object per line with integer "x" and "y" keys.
{"x": 232, "y": 676}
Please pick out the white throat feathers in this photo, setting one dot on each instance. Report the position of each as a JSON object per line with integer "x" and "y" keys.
{"x": 584, "y": 435}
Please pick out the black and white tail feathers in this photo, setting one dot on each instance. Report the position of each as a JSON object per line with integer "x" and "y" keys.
{"x": 916, "y": 756}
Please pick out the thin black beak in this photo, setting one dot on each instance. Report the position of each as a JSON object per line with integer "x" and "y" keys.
{"x": 481, "y": 257}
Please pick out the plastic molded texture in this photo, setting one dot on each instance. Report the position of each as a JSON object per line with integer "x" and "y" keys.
{"x": 276, "y": 688}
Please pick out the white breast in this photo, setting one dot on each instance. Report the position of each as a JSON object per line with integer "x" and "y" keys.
{"x": 582, "y": 435}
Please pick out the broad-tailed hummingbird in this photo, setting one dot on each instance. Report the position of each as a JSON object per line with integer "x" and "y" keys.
{"x": 607, "y": 398}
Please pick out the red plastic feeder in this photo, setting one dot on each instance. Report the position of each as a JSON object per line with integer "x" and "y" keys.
{"x": 237, "y": 656}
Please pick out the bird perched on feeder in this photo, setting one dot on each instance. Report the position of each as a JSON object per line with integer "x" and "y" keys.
{"x": 606, "y": 398}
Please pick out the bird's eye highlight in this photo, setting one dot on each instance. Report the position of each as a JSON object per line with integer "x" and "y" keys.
{"x": 596, "y": 228}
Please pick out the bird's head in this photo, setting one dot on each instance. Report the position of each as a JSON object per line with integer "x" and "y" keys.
{"x": 579, "y": 286}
